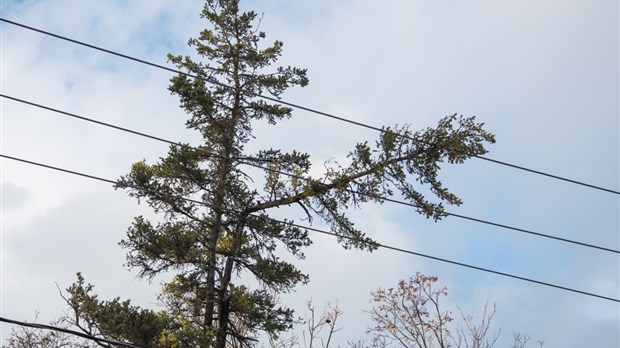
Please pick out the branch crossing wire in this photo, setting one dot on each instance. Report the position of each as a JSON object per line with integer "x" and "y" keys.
{"x": 70, "y": 332}
{"x": 244, "y": 160}
{"x": 380, "y": 245}
{"x": 293, "y": 105}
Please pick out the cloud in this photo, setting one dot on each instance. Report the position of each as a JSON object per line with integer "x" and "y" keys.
{"x": 80, "y": 235}
{"x": 542, "y": 76}
{"x": 13, "y": 196}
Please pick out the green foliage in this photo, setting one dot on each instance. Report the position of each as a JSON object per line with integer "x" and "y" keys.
{"x": 119, "y": 320}
{"x": 215, "y": 229}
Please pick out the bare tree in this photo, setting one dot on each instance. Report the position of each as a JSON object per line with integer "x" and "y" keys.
{"x": 27, "y": 337}
{"x": 410, "y": 315}
{"x": 521, "y": 340}
{"x": 373, "y": 342}
{"x": 318, "y": 332}
{"x": 477, "y": 336}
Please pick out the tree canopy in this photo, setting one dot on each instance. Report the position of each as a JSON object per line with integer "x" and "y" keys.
{"x": 215, "y": 230}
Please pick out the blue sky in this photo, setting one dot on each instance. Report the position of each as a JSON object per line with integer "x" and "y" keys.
{"x": 543, "y": 76}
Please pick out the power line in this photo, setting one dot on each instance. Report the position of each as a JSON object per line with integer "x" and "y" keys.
{"x": 23, "y": 101}
{"x": 297, "y": 106}
{"x": 70, "y": 332}
{"x": 242, "y": 160}
{"x": 512, "y": 228}
{"x": 81, "y": 174}
{"x": 65, "y": 113}
{"x": 487, "y": 270}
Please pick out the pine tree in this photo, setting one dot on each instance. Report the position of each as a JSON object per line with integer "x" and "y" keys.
{"x": 215, "y": 229}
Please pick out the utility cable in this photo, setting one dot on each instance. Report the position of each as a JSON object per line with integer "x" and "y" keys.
{"x": 512, "y": 228}
{"x": 65, "y": 113}
{"x": 242, "y": 160}
{"x": 70, "y": 332}
{"x": 297, "y": 106}
{"x": 82, "y": 174}
{"x": 487, "y": 270}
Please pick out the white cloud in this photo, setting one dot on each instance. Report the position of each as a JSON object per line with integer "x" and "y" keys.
{"x": 543, "y": 76}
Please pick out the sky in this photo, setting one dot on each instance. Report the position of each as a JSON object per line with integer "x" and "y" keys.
{"x": 542, "y": 76}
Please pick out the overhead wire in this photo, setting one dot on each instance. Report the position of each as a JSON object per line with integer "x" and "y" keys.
{"x": 244, "y": 160}
{"x": 70, "y": 332}
{"x": 297, "y": 106}
{"x": 124, "y": 129}
{"x": 380, "y": 245}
